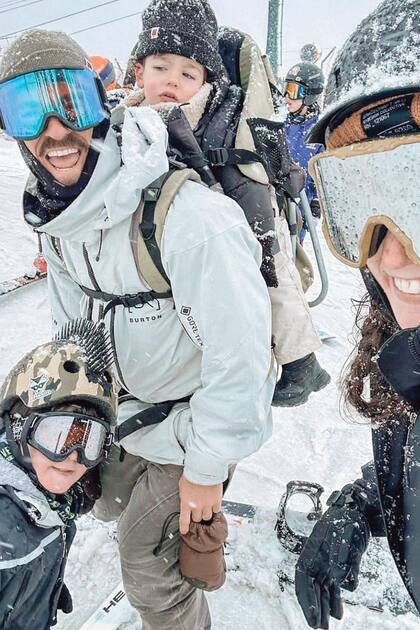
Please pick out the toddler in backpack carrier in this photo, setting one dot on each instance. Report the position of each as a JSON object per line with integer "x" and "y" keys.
{"x": 220, "y": 117}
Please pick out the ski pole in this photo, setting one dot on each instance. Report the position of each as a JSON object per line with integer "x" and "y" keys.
{"x": 317, "y": 249}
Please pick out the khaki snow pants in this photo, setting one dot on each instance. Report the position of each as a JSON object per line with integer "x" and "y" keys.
{"x": 294, "y": 335}
{"x": 142, "y": 495}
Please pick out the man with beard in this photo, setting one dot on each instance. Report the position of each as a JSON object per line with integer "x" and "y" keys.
{"x": 194, "y": 359}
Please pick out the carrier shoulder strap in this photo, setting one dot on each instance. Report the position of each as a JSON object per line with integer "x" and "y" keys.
{"x": 258, "y": 104}
{"x": 148, "y": 223}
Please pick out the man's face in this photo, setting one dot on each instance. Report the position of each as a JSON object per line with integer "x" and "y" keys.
{"x": 56, "y": 477}
{"x": 61, "y": 151}
{"x": 399, "y": 278}
{"x": 169, "y": 78}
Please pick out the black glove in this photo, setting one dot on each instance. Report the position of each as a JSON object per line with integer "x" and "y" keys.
{"x": 315, "y": 209}
{"x": 331, "y": 557}
{"x": 399, "y": 363}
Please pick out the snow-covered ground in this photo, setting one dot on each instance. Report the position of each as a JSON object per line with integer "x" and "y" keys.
{"x": 311, "y": 442}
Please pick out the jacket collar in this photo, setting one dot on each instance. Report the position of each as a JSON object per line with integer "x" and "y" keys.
{"x": 23, "y": 491}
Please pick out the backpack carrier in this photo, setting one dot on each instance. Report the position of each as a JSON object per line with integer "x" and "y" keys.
{"x": 243, "y": 132}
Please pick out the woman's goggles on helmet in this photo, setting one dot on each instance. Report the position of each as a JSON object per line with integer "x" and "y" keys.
{"x": 57, "y": 434}
{"x": 367, "y": 185}
{"x": 294, "y": 90}
{"x": 27, "y": 101}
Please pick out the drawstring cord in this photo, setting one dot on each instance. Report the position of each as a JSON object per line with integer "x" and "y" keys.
{"x": 167, "y": 522}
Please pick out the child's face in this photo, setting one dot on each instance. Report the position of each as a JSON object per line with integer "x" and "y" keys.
{"x": 169, "y": 78}
{"x": 294, "y": 104}
{"x": 56, "y": 477}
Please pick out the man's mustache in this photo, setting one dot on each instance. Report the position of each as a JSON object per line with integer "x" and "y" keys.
{"x": 72, "y": 141}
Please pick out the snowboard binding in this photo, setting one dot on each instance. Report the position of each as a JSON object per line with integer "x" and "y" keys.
{"x": 292, "y": 540}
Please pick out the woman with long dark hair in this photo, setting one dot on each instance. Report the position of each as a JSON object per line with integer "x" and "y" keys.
{"x": 368, "y": 182}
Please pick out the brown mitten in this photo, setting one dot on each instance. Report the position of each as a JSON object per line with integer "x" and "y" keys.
{"x": 201, "y": 553}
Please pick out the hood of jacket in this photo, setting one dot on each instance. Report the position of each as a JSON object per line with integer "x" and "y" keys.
{"x": 22, "y": 491}
{"x": 121, "y": 173}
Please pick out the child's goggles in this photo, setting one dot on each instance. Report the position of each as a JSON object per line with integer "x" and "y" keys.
{"x": 57, "y": 434}
{"x": 294, "y": 90}
{"x": 27, "y": 101}
{"x": 367, "y": 185}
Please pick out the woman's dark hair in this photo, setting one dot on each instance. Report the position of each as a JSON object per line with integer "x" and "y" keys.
{"x": 378, "y": 402}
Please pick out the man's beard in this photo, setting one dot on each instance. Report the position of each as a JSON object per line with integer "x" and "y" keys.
{"x": 72, "y": 141}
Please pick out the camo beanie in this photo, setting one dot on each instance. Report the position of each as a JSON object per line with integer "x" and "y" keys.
{"x": 181, "y": 27}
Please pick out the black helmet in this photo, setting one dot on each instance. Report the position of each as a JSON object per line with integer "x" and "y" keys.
{"x": 310, "y": 52}
{"x": 309, "y": 75}
{"x": 379, "y": 60}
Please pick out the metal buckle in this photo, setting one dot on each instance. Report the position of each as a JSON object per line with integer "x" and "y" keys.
{"x": 131, "y": 300}
{"x": 151, "y": 194}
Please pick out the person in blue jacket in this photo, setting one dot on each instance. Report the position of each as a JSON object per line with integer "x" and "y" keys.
{"x": 302, "y": 89}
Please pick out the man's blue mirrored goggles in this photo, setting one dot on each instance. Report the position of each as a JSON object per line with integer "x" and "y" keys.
{"x": 27, "y": 101}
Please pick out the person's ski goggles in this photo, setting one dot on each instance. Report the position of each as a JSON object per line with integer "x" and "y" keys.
{"x": 294, "y": 90}
{"x": 27, "y": 101}
{"x": 365, "y": 186}
{"x": 57, "y": 434}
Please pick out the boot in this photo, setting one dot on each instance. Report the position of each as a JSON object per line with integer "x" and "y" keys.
{"x": 299, "y": 379}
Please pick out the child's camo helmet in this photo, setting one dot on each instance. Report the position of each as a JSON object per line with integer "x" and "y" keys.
{"x": 74, "y": 366}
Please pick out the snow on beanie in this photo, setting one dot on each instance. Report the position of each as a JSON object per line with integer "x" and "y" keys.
{"x": 389, "y": 116}
{"x": 181, "y": 27}
{"x": 41, "y": 50}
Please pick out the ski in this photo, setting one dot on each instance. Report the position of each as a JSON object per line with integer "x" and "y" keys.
{"x": 324, "y": 335}
{"x": 114, "y": 611}
{"x": 27, "y": 279}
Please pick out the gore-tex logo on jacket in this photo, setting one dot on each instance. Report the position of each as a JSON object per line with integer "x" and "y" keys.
{"x": 190, "y": 326}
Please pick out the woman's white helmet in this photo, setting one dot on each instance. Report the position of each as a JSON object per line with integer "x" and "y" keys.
{"x": 379, "y": 60}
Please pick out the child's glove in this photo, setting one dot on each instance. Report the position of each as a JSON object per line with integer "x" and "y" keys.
{"x": 315, "y": 209}
{"x": 143, "y": 149}
{"x": 331, "y": 557}
{"x": 201, "y": 553}
{"x": 399, "y": 363}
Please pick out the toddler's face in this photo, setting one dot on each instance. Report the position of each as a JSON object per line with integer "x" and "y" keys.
{"x": 169, "y": 78}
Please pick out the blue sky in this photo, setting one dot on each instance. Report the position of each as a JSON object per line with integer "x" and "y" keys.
{"x": 327, "y": 22}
